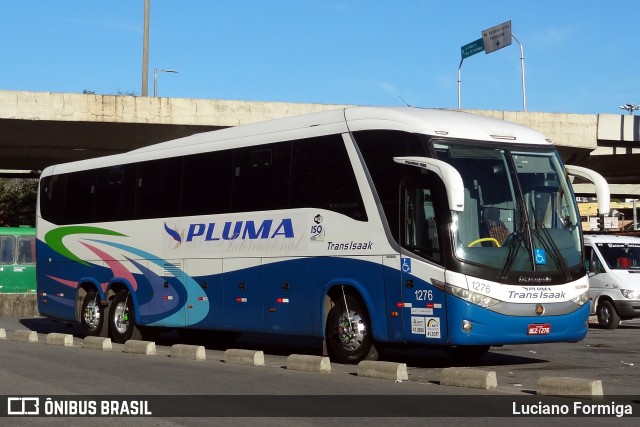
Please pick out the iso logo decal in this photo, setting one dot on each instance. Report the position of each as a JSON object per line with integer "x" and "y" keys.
{"x": 317, "y": 230}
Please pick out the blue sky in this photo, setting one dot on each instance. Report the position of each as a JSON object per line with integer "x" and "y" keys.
{"x": 580, "y": 56}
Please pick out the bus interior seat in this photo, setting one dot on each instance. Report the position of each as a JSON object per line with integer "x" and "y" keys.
{"x": 494, "y": 225}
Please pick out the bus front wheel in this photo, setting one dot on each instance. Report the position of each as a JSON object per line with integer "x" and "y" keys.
{"x": 348, "y": 332}
{"x": 122, "y": 325}
{"x": 607, "y": 315}
{"x": 92, "y": 316}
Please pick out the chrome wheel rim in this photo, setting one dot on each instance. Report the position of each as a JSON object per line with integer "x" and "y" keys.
{"x": 121, "y": 320}
{"x": 351, "y": 331}
{"x": 91, "y": 315}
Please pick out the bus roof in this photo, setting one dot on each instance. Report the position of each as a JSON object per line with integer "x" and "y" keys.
{"x": 610, "y": 238}
{"x": 17, "y": 231}
{"x": 437, "y": 122}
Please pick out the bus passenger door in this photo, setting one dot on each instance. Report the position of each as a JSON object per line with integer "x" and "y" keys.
{"x": 421, "y": 264}
{"x": 287, "y": 295}
{"x": 242, "y": 294}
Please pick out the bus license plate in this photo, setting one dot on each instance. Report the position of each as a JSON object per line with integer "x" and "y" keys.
{"x": 539, "y": 329}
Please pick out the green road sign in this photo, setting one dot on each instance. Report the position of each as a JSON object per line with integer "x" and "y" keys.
{"x": 472, "y": 48}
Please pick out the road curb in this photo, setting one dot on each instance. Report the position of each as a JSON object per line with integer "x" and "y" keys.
{"x": 97, "y": 343}
{"x": 25, "y": 335}
{"x": 470, "y": 378}
{"x": 65, "y": 340}
{"x": 191, "y": 352}
{"x": 244, "y": 357}
{"x": 148, "y": 348}
{"x": 305, "y": 362}
{"x": 567, "y": 386}
{"x": 383, "y": 370}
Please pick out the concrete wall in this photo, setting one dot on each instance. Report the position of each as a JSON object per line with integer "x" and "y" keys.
{"x": 615, "y": 127}
{"x": 136, "y": 109}
{"x": 564, "y": 129}
{"x": 18, "y": 305}
{"x": 573, "y": 130}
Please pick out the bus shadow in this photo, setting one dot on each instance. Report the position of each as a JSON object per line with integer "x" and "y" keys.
{"x": 284, "y": 345}
{"x": 438, "y": 358}
{"x": 279, "y": 345}
{"x": 48, "y": 326}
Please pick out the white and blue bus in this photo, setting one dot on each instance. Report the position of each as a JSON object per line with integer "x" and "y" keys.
{"x": 368, "y": 227}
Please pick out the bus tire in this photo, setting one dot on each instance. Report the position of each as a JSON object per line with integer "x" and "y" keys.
{"x": 608, "y": 317}
{"x": 467, "y": 353}
{"x": 122, "y": 325}
{"x": 348, "y": 334}
{"x": 92, "y": 316}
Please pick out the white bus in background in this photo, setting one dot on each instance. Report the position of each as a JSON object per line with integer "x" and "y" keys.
{"x": 613, "y": 264}
{"x": 368, "y": 227}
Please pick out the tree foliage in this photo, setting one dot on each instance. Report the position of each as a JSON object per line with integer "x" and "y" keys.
{"x": 18, "y": 201}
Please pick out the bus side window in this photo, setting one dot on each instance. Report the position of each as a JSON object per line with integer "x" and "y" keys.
{"x": 7, "y": 249}
{"x": 25, "y": 252}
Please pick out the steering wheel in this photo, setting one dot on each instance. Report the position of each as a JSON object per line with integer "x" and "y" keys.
{"x": 485, "y": 239}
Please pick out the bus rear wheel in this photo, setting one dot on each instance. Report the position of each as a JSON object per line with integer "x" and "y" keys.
{"x": 348, "y": 332}
{"x": 92, "y": 316}
{"x": 122, "y": 325}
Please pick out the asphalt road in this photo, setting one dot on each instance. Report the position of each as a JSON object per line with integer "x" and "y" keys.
{"x": 26, "y": 369}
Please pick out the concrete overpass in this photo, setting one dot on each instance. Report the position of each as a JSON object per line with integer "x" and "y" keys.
{"x": 42, "y": 128}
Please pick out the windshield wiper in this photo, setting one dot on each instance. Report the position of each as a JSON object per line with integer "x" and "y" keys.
{"x": 514, "y": 247}
{"x": 522, "y": 237}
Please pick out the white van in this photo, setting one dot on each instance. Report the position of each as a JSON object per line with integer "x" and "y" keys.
{"x": 613, "y": 263}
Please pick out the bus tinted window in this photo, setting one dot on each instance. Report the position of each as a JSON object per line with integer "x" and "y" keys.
{"x": 158, "y": 188}
{"x": 52, "y": 198}
{"x": 309, "y": 173}
{"x": 115, "y": 193}
{"x": 206, "y": 183}
{"x": 378, "y": 148}
{"x": 261, "y": 177}
{"x": 322, "y": 177}
{"x": 81, "y": 189}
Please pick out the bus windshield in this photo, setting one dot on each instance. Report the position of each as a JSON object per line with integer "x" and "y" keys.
{"x": 620, "y": 256}
{"x": 519, "y": 215}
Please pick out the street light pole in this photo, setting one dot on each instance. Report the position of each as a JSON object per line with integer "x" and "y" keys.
{"x": 155, "y": 79}
{"x": 145, "y": 51}
{"x": 630, "y": 108}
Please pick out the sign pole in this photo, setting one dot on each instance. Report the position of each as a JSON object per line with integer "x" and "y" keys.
{"x": 524, "y": 92}
{"x": 459, "y": 81}
{"x": 466, "y": 51}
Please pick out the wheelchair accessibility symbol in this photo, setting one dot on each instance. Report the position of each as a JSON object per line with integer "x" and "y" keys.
{"x": 406, "y": 265}
{"x": 541, "y": 256}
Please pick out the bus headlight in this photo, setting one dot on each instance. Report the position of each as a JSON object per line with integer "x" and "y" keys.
{"x": 470, "y": 296}
{"x": 581, "y": 299}
{"x": 628, "y": 293}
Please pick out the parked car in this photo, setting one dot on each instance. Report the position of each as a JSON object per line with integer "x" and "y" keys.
{"x": 613, "y": 263}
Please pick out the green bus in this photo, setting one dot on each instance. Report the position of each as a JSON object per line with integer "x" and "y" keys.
{"x": 17, "y": 260}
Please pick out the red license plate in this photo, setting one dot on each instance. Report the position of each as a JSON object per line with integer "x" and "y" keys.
{"x": 539, "y": 329}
